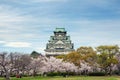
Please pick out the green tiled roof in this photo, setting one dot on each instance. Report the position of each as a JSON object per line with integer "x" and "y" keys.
{"x": 60, "y": 30}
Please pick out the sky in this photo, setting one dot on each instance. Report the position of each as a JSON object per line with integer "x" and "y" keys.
{"x": 26, "y": 25}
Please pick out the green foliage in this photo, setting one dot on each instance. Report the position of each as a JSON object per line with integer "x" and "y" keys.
{"x": 12, "y": 75}
{"x": 102, "y": 60}
{"x": 83, "y": 53}
{"x": 60, "y": 56}
{"x": 97, "y": 74}
{"x": 87, "y": 54}
{"x": 73, "y": 57}
{"x": 108, "y": 49}
{"x": 106, "y": 58}
{"x": 64, "y": 74}
{"x": 35, "y": 54}
{"x": 53, "y": 74}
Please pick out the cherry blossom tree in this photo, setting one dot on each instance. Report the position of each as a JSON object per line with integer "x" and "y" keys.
{"x": 85, "y": 68}
{"x": 5, "y": 64}
{"x": 35, "y": 65}
{"x": 57, "y": 65}
{"x": 118, "y": 65}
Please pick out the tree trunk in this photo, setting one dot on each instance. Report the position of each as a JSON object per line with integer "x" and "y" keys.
{"x": 110, "y": 70}
{"x": 7, "y": 76}
{"x": 34, "y": 73}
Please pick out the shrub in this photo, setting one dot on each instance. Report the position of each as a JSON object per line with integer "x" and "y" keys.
{"x": 53, "y": 74}
{"x": 97, "y": 74}
{"x": 25, "y": 75}
{"x": 12, "y": 75}
{"x": 64, "y": 74}
{"x": 116, "y": 72}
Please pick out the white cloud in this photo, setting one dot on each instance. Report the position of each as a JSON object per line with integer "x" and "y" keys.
{"x": 18, "y": 44}
{"x": 40, "y": 50}
{"x": 16, "y": 26}
{"x": 12, "y": 23}
{"x": 10, "y": 16}
{"x": 2, "y": 42}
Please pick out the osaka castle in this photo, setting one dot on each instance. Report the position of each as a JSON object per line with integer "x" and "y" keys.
{"x": 59, "y": 43}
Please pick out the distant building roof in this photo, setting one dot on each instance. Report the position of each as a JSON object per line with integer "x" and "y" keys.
{"x": 60, "y": 30}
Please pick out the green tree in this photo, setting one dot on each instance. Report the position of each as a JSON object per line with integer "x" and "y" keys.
{"x": 118, "y": 65}
{"x": 35, "y": 54}
{"x": 83, "y": 53}
{"x": 73, "y": 57}
{"x": 87, "y": 54}
{"x": 60, "y": 56}
{"x": 106, "y": 58}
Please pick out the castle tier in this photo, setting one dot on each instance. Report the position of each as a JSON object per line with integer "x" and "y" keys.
{"x": 59, "y": 44}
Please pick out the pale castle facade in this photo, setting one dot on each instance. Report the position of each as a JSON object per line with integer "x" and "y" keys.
{"x": 59, "y": 43}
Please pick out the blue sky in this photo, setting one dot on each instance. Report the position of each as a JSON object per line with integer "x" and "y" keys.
{"x": 25, "y": 25}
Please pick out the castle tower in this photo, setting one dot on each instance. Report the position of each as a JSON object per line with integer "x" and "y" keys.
{"x": 59, "y": 44}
